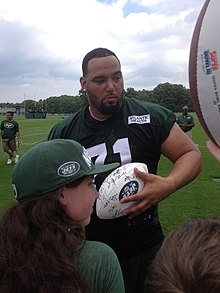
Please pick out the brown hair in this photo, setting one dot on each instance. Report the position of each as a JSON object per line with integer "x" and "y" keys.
{"x": 188, "y": 261}
{"x": 38, "y": 242}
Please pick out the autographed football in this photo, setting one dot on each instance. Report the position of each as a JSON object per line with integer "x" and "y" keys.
{"x": 121, "y": 183}
{"x": 204, "y": 71}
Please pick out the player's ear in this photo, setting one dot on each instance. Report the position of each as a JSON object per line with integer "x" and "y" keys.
{"x": 83, "y": 82}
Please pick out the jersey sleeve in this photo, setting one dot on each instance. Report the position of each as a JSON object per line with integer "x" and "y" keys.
{"x": 162, "y": 121}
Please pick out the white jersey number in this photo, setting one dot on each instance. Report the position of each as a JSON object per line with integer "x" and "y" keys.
{"x": 121, "y": 146}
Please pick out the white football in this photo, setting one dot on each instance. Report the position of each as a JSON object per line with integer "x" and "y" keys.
{"x": 122, "y": 182}
{"x": 204, "y": 69}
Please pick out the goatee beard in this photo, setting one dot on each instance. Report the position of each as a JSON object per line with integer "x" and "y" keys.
{"x": 111, "y": 109}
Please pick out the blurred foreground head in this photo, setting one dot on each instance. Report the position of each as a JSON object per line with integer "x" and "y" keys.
{"x": 188, "y": 261}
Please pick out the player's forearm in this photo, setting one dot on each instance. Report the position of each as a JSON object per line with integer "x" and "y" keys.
{"x": 185, "y": 169}
{"x": 18, "y": 136}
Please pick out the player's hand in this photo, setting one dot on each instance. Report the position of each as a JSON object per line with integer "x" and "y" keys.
{"x": 156, "y": 189}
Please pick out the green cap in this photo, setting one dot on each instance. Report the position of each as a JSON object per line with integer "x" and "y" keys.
{"x": 50, "y": 165}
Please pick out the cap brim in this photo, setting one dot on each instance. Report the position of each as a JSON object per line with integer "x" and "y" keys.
{"x": 104, "y": 168}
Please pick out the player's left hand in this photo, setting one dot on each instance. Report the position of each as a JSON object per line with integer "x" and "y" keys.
{"x": 156, "y": 189}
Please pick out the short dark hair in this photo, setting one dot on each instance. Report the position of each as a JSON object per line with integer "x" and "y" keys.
{"x": 96, "y": 53}
{"x": 188, "y": 261}
{"x": 10, "y": 112}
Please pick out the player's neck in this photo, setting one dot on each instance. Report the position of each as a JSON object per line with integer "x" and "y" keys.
{"x": 97, "y": 115}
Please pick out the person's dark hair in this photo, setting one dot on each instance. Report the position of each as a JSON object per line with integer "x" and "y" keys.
{"x": 96, "y": 53}
{"x": 188, "y": 261}
{"x": 10, "y": 112}
{"x": 38, "y": 242}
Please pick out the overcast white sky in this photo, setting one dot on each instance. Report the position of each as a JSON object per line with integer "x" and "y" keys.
{"x": 43, "y": 42}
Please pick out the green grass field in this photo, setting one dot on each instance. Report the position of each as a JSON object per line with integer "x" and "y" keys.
{"x": 199, "y": 199}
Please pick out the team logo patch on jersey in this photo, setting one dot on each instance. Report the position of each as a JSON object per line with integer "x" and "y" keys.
{"x": 8, "y": 125}
{"x": 143, "y": 119}
{"x": 68, "y": 169}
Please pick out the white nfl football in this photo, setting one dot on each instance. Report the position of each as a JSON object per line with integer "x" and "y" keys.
{"x": 204, "y": 69}
{"x": 122, "y": 182}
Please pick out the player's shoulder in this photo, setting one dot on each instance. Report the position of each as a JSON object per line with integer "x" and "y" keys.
{"x": 138, "y": 106}
{"x": 132, "y": 102}
{"x": 61, "y": 127}
{"x": 65, "y": 121}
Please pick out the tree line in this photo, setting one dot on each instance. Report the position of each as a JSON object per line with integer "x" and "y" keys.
{"x": 171, "y": 96}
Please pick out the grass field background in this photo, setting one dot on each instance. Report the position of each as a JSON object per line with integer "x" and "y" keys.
{"x": 199, "y": 199}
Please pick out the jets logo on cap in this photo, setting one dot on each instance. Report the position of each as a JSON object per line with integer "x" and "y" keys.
{"x": 68, "y": 169}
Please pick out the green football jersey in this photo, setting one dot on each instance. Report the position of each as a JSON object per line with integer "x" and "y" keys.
{"x": 134, "y": 134}
{"x": 9, "y": 129}
{"x": 185, "y": 119}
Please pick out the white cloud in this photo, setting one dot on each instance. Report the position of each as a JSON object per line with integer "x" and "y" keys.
{"x": 43, "y": 42}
